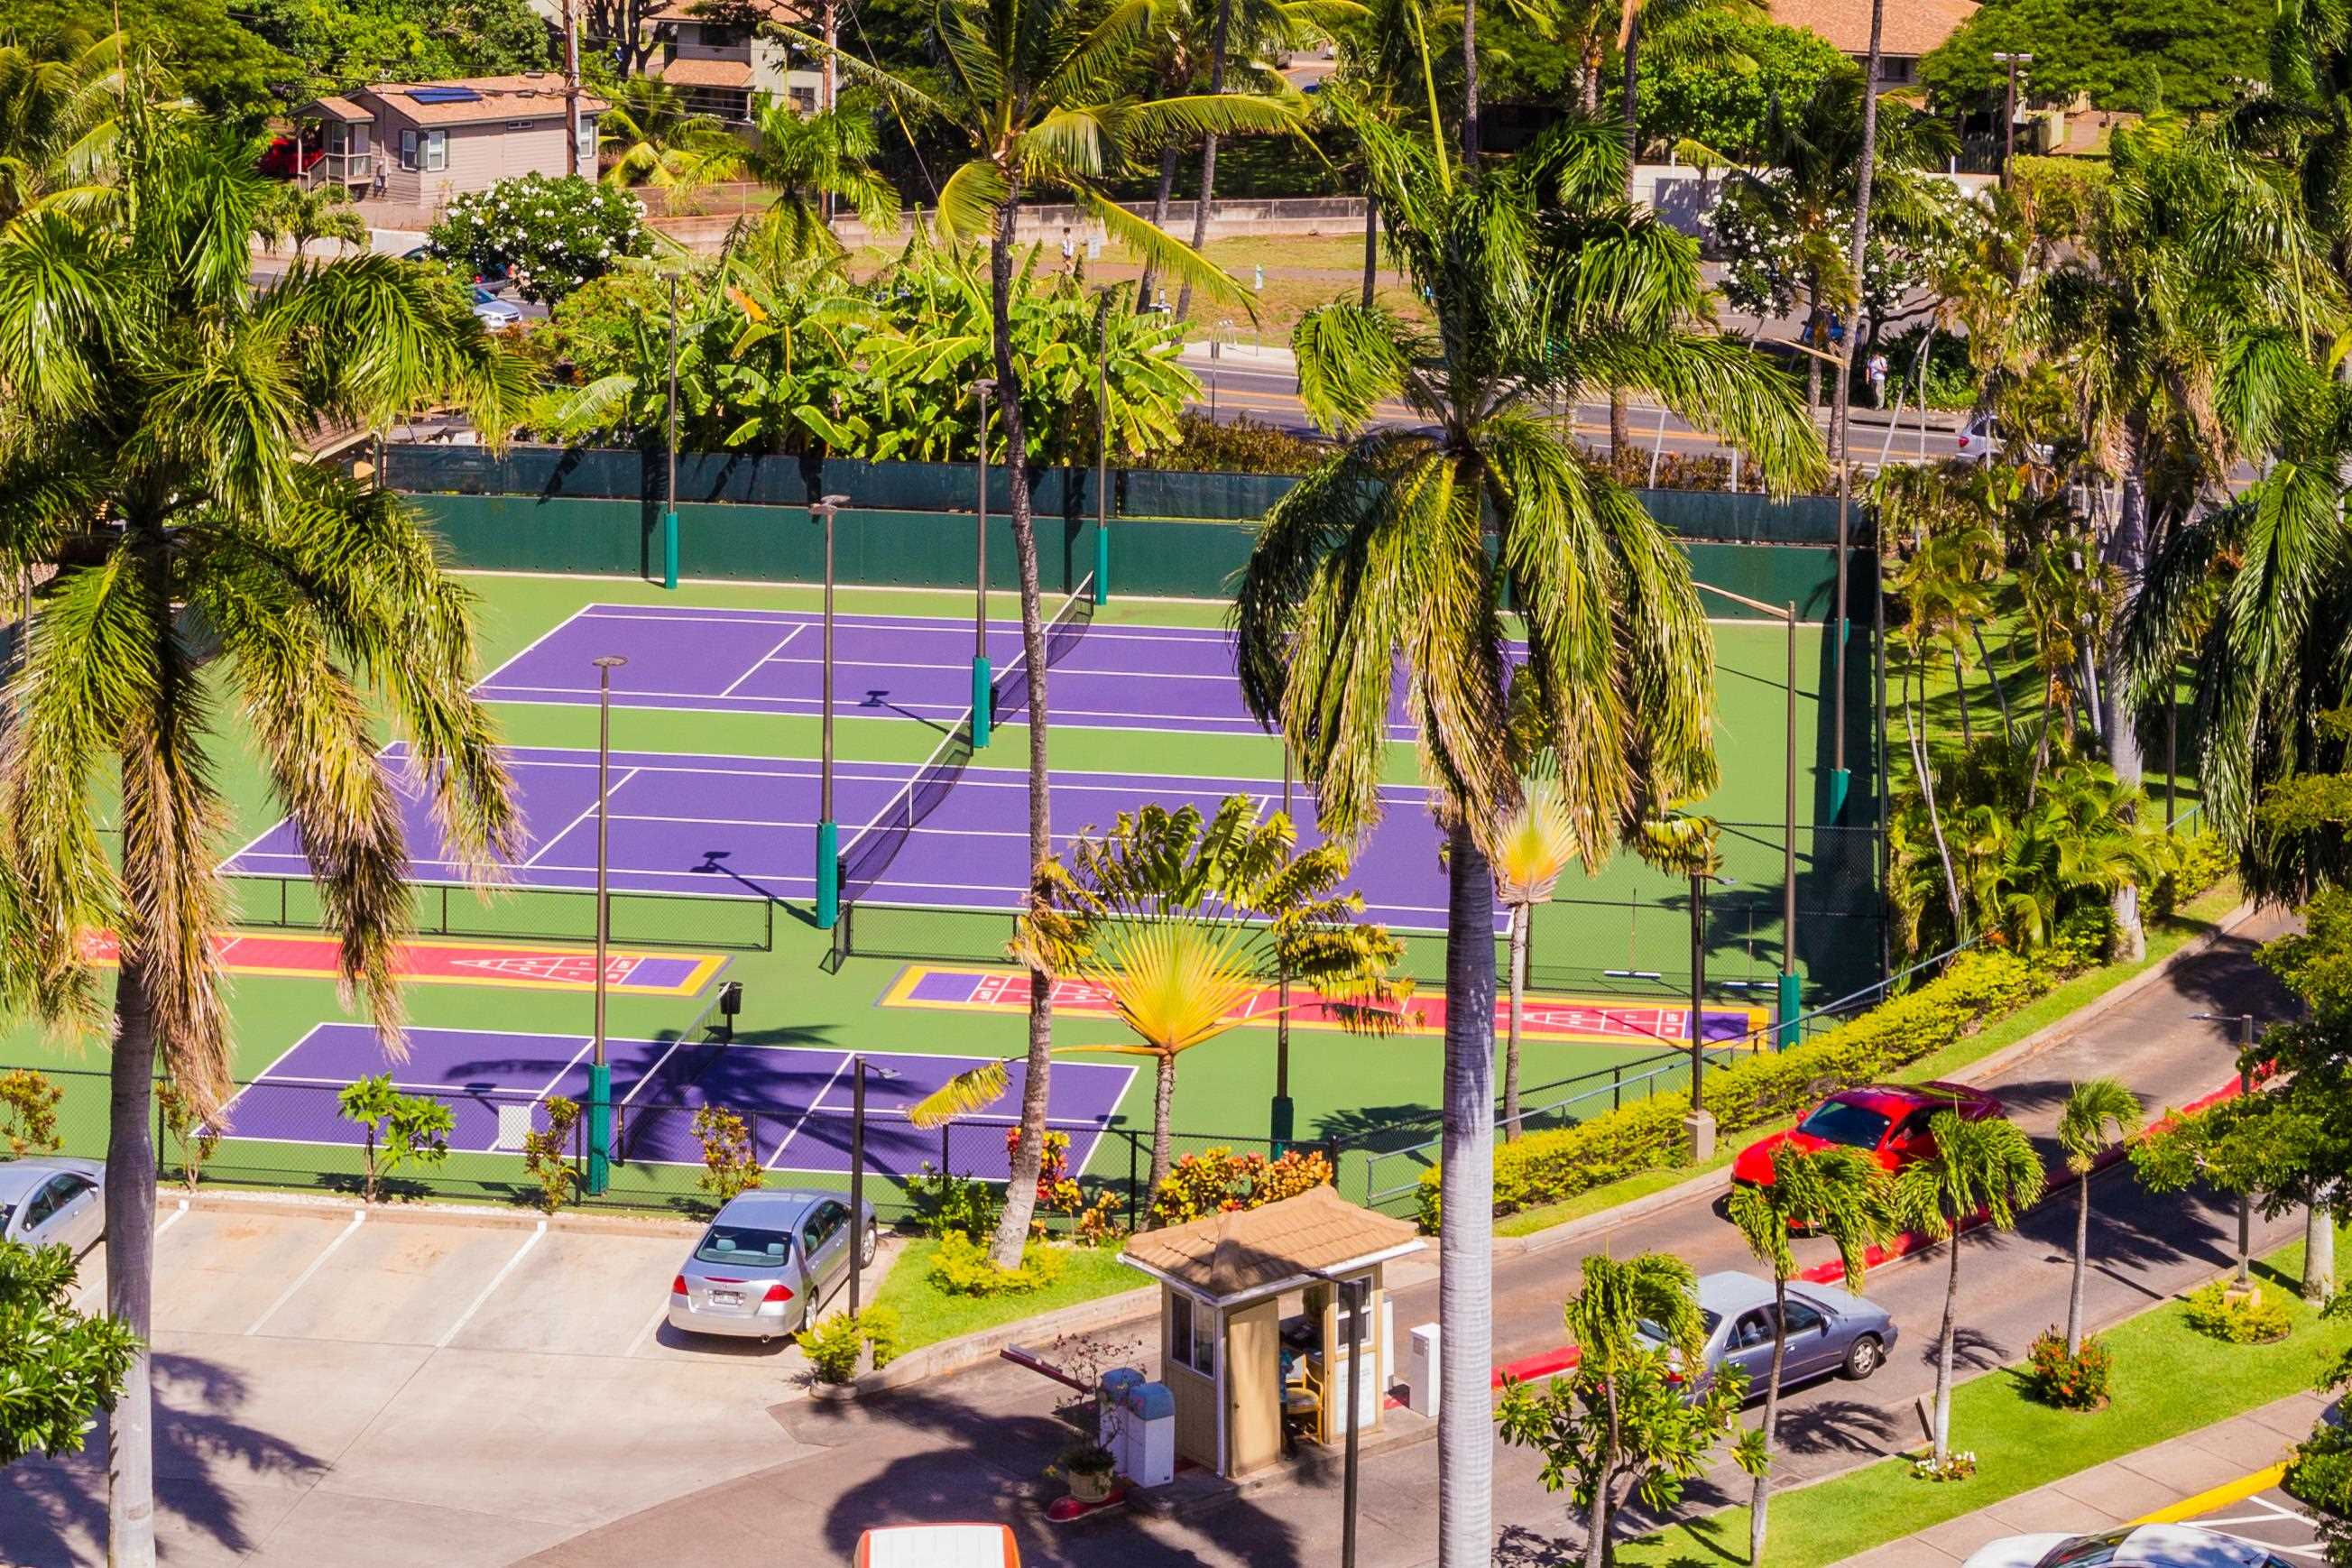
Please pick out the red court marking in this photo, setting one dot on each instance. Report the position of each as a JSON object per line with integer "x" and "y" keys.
{"x": 458, "y": 964}
{"x": 1599, "y": 1021}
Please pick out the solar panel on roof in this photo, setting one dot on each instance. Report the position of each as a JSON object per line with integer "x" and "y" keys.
{"x": 445, "y": 95}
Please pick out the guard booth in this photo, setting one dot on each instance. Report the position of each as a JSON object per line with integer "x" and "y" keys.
{"x": 1254, "y": 1326}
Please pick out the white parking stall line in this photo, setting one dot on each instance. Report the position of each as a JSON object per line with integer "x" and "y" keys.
{"x": 538, "y": 1235}
{"x": 174, "y": 1217}
{"x": 358, "y": 1218}
{"x": 652, "y": 1324}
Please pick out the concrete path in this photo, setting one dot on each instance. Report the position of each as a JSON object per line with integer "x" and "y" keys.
{"x": 972, "y": 1446}
{"x": 2203, "y": 1477}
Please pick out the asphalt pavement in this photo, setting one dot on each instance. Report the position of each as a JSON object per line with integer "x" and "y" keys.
{"x": 973, "y": 1446}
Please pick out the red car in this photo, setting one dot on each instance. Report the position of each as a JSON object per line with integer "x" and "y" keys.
{"x": 1887, "y": 1121}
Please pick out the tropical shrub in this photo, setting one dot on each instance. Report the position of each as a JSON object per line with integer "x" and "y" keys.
{"x": 948, "y": 1204}
{"x": 553, "y": 234}
{"x": 414, "y": 1128}
{"x": 1218, "y": 1179}
{"x": 1240, "y": 446}
{"x": 833, "y": 1344}
{"x": 729, "y": 1164}
{"x": 2250, "y": 1319}
{"x": 196, "y": 1139}
{"x": 2078, "y": 1381}
{"x": 1976, "y": 989}
{"x": 59, "y": 1366}
{"x": 547, "y": 1154}
{"x": 28, "y": 1113}
{"x": 960, "y": 1267}
{"x": 2319, "y": 1474}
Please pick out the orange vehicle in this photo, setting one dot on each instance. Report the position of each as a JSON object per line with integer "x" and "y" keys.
{"x": 938, "y": 1546}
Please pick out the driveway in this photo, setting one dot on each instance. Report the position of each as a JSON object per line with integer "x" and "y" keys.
{"x": 410, "y": 1387}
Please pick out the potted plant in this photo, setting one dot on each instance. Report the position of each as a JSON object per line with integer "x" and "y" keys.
{"x": 1089, "y": 1469}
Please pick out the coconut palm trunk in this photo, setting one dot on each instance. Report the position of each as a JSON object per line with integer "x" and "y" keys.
{"x": 2319, "y": 1254}
{"x": 2126, "y": 555}
{"x": 130, "y": 1269}
{"x": 1208, "y": 150}
{"x": 1629, "y": 31}
{"x": 1162, "y": 195}
{"x": 1521, "y": 917}
{"x": 1465, "y": 1430}
{"x": 1029, "y": 1149}
{"x": 1858, "y": 252}
{"x": 1761, "y": 1501}
{"x": 1371, "y": 248}
{"x": 1944, "y": 1336}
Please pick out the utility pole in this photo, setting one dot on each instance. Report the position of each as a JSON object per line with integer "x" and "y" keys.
{"x": 572, "y": 87}
{"x": 2009, "y": 110}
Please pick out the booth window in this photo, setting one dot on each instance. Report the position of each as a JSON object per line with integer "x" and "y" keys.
{"x": 1191, "y": 1336}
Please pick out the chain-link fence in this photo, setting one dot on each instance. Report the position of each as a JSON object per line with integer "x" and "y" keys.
{"x": 537, "y": 914}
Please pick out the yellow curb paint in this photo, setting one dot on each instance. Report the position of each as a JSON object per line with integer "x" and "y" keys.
{"x": 2221, "y": 1495}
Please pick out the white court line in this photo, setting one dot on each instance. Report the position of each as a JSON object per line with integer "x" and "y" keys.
{"x": 576, "y": 821}
{"x": 815, "y": 1101}
{"x": 653, "y": 1326}
{"x": 538, "y": 1233}
{"x": 761, "y": 662}
{"x": 532, "y": 646}
{"x": 358, "y": 1216}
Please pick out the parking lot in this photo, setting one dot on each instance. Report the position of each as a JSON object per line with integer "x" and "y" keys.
{"x": 403, "y": 1386}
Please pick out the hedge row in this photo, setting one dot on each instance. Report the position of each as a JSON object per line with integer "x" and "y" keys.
{"x": 1977, "y": 988}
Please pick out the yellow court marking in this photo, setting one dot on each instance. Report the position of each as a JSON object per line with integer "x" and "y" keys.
{"x": 2223, "y": 1496}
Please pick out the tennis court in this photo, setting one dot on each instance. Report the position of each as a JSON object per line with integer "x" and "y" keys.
{"x": 796, "y": 1099}
{"x": 692, "y": 659}
{"x": 731, "y": 827}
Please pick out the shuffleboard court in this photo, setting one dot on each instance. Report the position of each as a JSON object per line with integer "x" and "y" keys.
{"x": 772, "y": 661}
{"x": 727, "y": 827}
{"x": 455, "y": 963}
{"x": 796, "y": 1100}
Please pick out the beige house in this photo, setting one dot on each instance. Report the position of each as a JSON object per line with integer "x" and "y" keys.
{"x": 1910, "y": 29}
{"x": 1254, "y": 1326}
{"x": 421, "y": 143}
{"x": 725, "y": 68}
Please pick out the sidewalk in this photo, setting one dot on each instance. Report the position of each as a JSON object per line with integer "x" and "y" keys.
{"x": 2176, "y": 1480}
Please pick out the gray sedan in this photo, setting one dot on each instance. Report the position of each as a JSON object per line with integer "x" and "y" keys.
{"x": 1830, "y": 1329}
{"x": 48, "y": 1199}
{"x": 767, "y": 1261}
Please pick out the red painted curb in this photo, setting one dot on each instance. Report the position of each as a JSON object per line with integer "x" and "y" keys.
{"x": 1529, "y": 1368}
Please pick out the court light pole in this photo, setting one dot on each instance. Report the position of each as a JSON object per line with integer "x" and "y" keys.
{"x": 1701, "y": 1124}
{"x": 1789, "y": 998}
{"x": 2245, "y": 1022}
{"x": 1102, "y": 447}
{"x": 599, "y": 1071}
{"x": 1355, "y": 1296}
{"x": 983, "y": 682}
{"x": 1285, "y": 1114}
{"x": 828, "y": 831}
{"x": 669, "y": 495}
{"x": 858, "y": 1071}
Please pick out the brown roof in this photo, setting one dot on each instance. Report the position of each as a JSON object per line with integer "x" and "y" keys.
{"x": 332, "y": 107}
{"x": 790, "y": 12}
{"x": 708, "y": 73}
{"x": 1910, "y": 26}
{"x": 1251, "y": 1251}
{"x": 495, "y": 97}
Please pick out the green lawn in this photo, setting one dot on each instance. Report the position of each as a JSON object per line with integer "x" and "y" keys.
{"x": 2169, "y": 1380}
{"x": 930, "y": 1314}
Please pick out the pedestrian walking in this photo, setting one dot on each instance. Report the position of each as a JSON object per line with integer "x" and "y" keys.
{"x": 1877, "y": 380}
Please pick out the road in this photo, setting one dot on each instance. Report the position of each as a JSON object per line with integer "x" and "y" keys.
{"x": 972, "y": 1446}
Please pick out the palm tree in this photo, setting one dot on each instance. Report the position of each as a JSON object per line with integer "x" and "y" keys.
{"x": 2096, "y": 1116}
{"x": 1984, "y": 1168}
{"x": 1040, "y": 91}
{"x": 1382, "y": 553}
{"x": 1532, "y": 847}
{"x": 57, "y": 114}
{"x": 812, "y": 161}
{"x": 153, "y": 451}
{"x": 658, "y": 141}
{"x": 1182, "y": 922}
{"x": 306, "y": 213}
{"x": 1619, "y": 1312}
{"x": 1835, "y": 1193}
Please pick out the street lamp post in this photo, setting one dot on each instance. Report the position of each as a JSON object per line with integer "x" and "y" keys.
{"x": 1701, "y": 1124}
{"x": 2245, "y": 1022}
{"x": 828, "y": 831}
{"x": 599, "y": 1071}
{"x": 669, "y": 495}
{"x": 2009, "y": 110}
{"x": 1791, "y": 996}
{"x": 982, "y": 696}
{"x": 1355, "y": 1297}
{"x": 858, "y": 1068}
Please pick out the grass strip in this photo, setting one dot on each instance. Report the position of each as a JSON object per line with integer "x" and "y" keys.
{"x": 2165, "y": 938}
{"x": 930, "y": 1314}
{"x": 2169, "y": 1380}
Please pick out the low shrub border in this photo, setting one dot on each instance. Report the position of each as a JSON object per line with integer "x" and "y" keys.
{"x": 1984, "y": 1003}
{"x": 928, "y": 1314}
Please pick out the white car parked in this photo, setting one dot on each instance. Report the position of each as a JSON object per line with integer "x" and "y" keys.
{"x": 2134, "y": 1546}
{"x": 48, "y": 1199}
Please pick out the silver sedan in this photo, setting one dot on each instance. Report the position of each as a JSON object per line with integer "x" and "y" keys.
{"x": 48, "y": 1199}
{"x": 767, "y": 1261}
{"x": 1830, "y": 1329}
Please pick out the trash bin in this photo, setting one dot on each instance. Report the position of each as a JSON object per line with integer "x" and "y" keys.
{"x": 1117, "y": 1423}
{"x": 1151, "y": 1434}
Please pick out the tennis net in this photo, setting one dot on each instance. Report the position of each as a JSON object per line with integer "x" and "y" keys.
{"x": 661, "y": 1091}
{"x": 866, "y": 858}
{"x": 1009, "y": 693}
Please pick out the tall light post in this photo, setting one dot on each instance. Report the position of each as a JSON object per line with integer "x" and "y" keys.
{"x": 2245, "y": 1022}
{"x": 2009, "y": 110}
{"x": 669, "y": 495}
{"x": 599, "y": 1071}
{"x": 858, "y": 1069}
{"x": 828, "y": 831}
{"x": 1701, "y": 1124}
{"x": 1102, "y": 447}
{"x": 1791, "y": 996}
{"x": 1355, "y": 1298}
{"x": 1285, "y": 1114}
{"x": 983, "y": 683}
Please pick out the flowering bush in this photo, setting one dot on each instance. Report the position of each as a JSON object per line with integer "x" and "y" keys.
{"x": 1219, "y": 1179}
{"x": 553, "y": 234}
{"x": 2078, "y": 1381}
{"x": 960, "y": 1267}
{"x": 2241, "y": 1318}
{"x": 1955, "y": 1468}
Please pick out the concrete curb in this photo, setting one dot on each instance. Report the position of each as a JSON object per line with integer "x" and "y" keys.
{"x": 2041, "y": 1041}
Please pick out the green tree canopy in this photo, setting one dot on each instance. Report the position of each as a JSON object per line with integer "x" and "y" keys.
{"x": 2138, "y": 54}
{"x": 214, "y": 58}
{"x": 1701, "y": 101}
{"x": 343, "y": 43}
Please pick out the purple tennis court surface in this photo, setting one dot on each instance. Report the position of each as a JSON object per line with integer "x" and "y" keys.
{"x": 795, "y": 1098}
{"x": 772, "y": 661}
{"x": 746, "y": 827}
